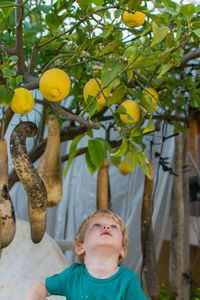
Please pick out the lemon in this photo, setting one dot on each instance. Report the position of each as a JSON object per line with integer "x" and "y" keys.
{"x": 132, "y": 109}
{"x": 92, "y": 88}
{"x": 133, "y": 19}
{"x": 123, "y": 168}
{"x": 54, "y": 85}
{"x": 22, "y": 101}
{"x": 153, "y": 92}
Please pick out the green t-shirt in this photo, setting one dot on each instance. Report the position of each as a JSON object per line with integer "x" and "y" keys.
{"x": 75, "y": 283}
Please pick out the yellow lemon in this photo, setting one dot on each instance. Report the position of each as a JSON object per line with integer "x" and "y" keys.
{"x": 132, "y": 109}
{"x": 92, "y": 88}
{"x": 154, "y": 93}
{"x": 22, "y": 101}
{"x": 133, "y": 19}
{"x": 123, "y": 168}
{"x": 54, "y": 85}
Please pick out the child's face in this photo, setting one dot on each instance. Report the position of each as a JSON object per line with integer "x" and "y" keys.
{"x": 103, "y": 231}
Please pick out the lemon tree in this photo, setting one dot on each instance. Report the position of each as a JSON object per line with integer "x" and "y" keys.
{"x": 127, "y": 46}
{"x": 22, "y": 101}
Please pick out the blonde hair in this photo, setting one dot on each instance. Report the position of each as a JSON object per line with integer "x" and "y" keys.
{"x": 79, "y": 238}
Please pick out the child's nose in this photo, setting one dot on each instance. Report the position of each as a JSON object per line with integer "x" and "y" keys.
{"x": 106, "y": 227}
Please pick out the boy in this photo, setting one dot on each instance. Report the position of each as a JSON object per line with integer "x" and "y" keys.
{"x": 100, "y": 246}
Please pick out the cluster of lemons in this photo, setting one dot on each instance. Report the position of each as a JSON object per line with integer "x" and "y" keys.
{"x": 55, "y": 84}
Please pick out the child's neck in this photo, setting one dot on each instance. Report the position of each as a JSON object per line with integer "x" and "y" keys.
{"x": 101, "y": 267}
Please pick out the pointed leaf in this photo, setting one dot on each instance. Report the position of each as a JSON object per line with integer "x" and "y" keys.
{"x": 131, "y": 160}
{"x": 163, "y": 69}
{"x": 74, "y": 143}
{"x": 188, "y": 11}
{"x": 97, "y": 151}
{"x": 91, "y": 167}
{"x": 159, "y": 33}
{"x": 197, "y": 32}
{"x": 134, "y": 4}
{"x": 121, "y": 150}
{"x": 150, "y": 127}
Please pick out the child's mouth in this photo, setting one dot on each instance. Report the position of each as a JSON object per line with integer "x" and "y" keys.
{"x": 105, "y": 232}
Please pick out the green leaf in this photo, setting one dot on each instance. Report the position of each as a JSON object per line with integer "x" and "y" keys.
{"x": 117, "y": 96}
{"x": 159, "y": 33}
{"x": 110, "y": 70}
{"x": 131, "y": 160}
{"x": 147, "y": 104}
{"x": 142, "y": 158}
{"x": 149, "y": 127}
{"x": 108, "y": 29}
{"x": 8, "y": 73}
{"x": 188, "y": 11}
{"x": 97, "y": 151}
{"x": 91, "y": 167}
{"x": 5, "y": 95}
{"x": 13, "y": 58}
{"x": 98, "y": 2}
{"x": 75, "y": 142}
{"x": 155, "y": 18}
{"x": 73, "y": 151}
{"x": 92, "y": 109}
{"x": 136, "y": 131}
{"x": 179, "y": 29}
{"x": 163, "y": 69}
{"x": 84, "y": 4}
{"x": 70, "y": 159}
{"x": 130, "y": 53}
{"x": 121, "y": 149}
{"x": 145, "y": 169}
{"x": 197, "y": 32}
{"x": 134, "y": 4}
{"x": 167, "y": 5}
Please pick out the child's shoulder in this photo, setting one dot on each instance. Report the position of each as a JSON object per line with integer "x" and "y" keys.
{"x": 129, "y": 273}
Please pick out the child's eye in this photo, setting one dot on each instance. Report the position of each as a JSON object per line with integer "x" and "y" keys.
{"x": 114, "y": 226}
{"x": 97, "y": 225}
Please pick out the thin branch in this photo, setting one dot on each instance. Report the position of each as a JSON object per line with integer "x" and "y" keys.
{"x": 19, "y": 38}
{"x": 33, "y": 55}
{"x": 7, "y": 50}
{"x": 189, "y": 56}
{"x": 65, "y": 114}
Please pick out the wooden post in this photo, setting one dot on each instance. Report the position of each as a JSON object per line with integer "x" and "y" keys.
{"x": 186, "y": 266}
{"x": 103, "y": 186}
{"x": 177, "y": 232}
{"x": 148, "y": 247}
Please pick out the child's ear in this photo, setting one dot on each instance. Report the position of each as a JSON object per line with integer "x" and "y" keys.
{"x": 79, "y": 249}
{"x": 123, "y": 252}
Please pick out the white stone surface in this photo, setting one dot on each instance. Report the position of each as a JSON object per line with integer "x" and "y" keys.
{"x": 23, "y": 263}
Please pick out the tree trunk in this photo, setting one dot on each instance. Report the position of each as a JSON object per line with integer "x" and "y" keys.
{"x": 148, "y": 248}
{"x": 103, "y": 187}
{"x": 186, "y": 265}
{"x": 177, "y": 231}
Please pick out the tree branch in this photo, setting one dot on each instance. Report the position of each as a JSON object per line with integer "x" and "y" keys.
{"x": 19, "y": 38}
{"x": 7, "y": 50}
{"x": 189, "y": 56}
{"x": 64, "y": 113}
